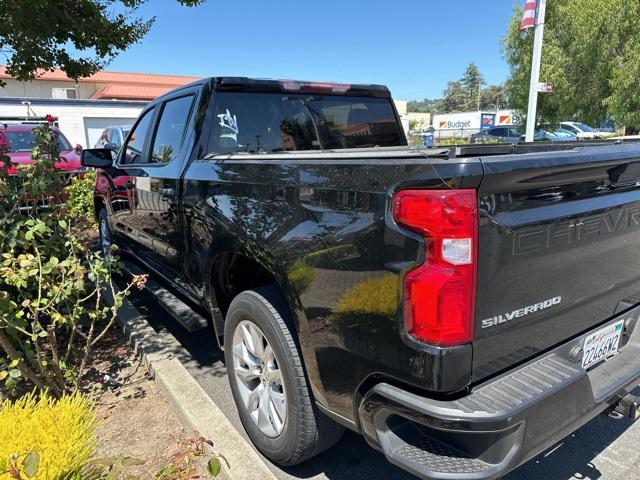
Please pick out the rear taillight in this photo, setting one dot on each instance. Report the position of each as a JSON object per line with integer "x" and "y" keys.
{"x": 439, "y": 295}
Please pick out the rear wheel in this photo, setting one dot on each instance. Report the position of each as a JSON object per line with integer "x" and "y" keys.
{"x": 268, "y": 381}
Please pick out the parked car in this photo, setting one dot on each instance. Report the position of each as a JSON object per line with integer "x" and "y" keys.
{"x": 557, "y": 135}
{"x": 566, "y": 134}
{"x": 584, "y": 132}
{"x": 21, "y": 141}
{"x": 463, "y": 309}
{"x": 499, "y": 134}
{"x": 514, "y": 135}
{"x": 113, "y": 137}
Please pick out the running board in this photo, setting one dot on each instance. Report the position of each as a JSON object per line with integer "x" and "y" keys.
{"x": 181, "y": 312}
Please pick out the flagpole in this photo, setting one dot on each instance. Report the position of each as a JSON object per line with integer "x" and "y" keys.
{"x": 535, "y": 72}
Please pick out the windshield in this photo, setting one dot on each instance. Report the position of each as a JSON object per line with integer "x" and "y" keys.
{"x": 25, "y": 141}
{"x": 584, "y": 128}
{"x": 277, "y": 122}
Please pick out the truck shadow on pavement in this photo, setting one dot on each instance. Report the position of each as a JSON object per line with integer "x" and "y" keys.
{"x": 352, "y": 458}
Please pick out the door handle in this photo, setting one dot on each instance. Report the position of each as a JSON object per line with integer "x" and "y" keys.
{"x": 169, "y": 192}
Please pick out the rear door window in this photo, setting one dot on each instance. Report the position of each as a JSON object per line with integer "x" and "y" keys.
{"x": 171, "y": 128}
{"x": 279, "y": 122}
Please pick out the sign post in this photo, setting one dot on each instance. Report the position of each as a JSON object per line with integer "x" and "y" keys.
{"x": 535, "y": 72}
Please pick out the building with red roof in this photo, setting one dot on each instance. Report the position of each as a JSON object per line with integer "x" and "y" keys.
{"x": 84, "y": 108}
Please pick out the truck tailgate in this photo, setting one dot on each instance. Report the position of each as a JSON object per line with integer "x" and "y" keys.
{"x": 559, "y": 248}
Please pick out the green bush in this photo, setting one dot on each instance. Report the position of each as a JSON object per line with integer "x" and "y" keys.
{"x": 52, "y": 286}
{"x": 45, "y": 439}
{"x": 416, "y": 141}
{"x": 80, "y": 198}
{"x": 59, "y": 435}
{"x": 447, "y": 142}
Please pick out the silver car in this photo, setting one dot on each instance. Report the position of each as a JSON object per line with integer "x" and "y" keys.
{"x": 500, "y": 134}
{"x": 113, "y": 137}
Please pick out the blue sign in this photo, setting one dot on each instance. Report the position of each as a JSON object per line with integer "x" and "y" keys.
{"x": 487, "y": 120}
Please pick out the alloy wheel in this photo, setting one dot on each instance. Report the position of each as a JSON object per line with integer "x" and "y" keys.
{"x": 257, "y": 374}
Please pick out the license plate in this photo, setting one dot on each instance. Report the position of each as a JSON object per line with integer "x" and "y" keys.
{"x": 601, "y": 344}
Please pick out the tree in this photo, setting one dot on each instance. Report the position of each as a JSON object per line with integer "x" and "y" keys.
{"x": 426, "y": 105}
{"x": 592, "y": 56}
{"x": 463, "y": 95}
{"x": 78, "y": 36}
{"x": 494, "y": 97}
{"x": 455, "y": 98}
{"x": 471, "y": 83}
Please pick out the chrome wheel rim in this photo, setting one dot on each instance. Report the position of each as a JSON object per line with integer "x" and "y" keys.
{"x": 105, "y": 239}
{"x": 257, "y": 374}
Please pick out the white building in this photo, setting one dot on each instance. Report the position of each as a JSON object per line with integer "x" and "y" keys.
{"x": 467, "y": 123}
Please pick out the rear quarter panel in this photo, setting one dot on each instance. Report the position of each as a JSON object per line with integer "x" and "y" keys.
{"x": 322, "y": 227}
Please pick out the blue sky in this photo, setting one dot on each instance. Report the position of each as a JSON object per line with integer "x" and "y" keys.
{"x": 412, "y": 46}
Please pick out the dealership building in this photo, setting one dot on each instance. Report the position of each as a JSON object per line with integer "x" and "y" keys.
{"x": 83, "y": 108}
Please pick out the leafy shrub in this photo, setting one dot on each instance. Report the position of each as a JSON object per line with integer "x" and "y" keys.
{"x": 416, "y": 141}
{"x": 52, "y": 286}
{"x": 80, "y": 198}
{"x": 183, "y": 462}
{"x": 446, "y": 142}
{"x": 60, "y": 432}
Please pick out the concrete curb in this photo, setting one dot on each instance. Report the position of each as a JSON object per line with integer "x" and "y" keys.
{"x": 195, "y": 409}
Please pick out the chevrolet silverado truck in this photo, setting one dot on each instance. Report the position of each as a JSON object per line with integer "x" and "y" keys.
{"x": 463, "y": 308}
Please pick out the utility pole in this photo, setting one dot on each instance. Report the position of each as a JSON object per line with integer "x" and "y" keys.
{"x": 535, "y": 72}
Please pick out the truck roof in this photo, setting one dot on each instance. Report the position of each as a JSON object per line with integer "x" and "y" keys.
{"x": 268, "y": 85}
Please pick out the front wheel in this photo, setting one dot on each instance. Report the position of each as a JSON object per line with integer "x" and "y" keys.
{"x": 268, "y": 381}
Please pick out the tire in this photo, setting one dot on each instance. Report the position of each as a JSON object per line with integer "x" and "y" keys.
{"x": 305, "y": 432}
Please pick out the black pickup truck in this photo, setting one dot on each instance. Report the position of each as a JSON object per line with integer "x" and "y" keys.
{"x": 462, "y": 308}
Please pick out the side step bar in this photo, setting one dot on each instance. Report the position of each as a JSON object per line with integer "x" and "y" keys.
{"x": 181, "y": 312}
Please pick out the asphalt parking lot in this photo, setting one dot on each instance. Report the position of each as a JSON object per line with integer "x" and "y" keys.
{"x": 605, "y": 448}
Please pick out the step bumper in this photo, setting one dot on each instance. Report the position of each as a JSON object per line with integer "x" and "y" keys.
{"x": 500, "y": 424}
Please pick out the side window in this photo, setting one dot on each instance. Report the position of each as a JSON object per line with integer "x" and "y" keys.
{"x": 134, "y": 149}
{"x": 171, "y": 127}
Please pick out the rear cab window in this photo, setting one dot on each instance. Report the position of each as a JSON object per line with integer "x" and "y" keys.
{"x": 280, "y": 122}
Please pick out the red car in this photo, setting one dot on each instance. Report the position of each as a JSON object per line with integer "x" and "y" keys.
{"x": 17, "y": 140}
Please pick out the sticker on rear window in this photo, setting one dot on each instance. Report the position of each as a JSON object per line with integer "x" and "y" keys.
{"x": 229, "y": 121}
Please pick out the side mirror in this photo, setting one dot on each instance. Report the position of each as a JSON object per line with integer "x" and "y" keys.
{"x": 96, "y": 157}
{"x": 78, "y": 149}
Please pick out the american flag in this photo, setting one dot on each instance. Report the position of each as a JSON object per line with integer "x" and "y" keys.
{"x": 529, "y": 17}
